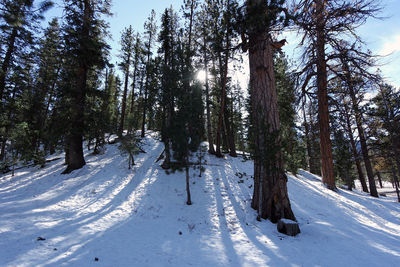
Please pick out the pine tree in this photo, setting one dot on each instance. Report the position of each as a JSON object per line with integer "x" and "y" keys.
{"x": 19, "y": 20}
{"x": 150, "y": 35}
{"x": 127, "y": 50}
{"x": 324, "y": 23}
{"x": 169, "y": 80}
{"x": 270, "y": 196}
{"x": 293, "y": 153}
{"x": 85, "y": 48}
{"x": 204, "y": 32}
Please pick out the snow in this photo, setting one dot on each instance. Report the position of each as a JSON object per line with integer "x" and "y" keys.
{"x": 139, "y": 218}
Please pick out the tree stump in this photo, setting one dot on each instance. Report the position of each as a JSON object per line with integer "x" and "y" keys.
{"x": 288, "y": 227}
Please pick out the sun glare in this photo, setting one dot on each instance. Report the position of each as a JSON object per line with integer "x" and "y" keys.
{"x": 201, "y": 76}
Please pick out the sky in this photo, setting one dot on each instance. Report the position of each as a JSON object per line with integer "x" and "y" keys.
{"x": 382, "y": 36}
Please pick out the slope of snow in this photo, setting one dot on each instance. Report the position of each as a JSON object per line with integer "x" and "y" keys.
{"x": 139, "y": 218}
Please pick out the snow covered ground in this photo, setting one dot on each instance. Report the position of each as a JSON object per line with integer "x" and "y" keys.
{"x": 139, "y": 217}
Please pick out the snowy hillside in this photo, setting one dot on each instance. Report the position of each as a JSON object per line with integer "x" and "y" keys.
{"x": 107, "y": 215}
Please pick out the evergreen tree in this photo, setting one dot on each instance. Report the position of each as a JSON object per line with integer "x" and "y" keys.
{"x": 270, "y": 196}
{"x": 324, "y": 24}
{"x": 127, "y": 50}
{"x": 19, "y": 20}
{"x": 84, "y": 33}
{"x": 292, "y": 151}
{"x": 150, "y": 35}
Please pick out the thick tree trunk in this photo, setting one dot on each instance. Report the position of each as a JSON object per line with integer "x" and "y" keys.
{"x": 328, "y": 177}
{"x": 270, "y": 196}
{"x": 75, "y": 158}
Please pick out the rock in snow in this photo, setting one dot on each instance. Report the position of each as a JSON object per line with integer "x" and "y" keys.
{"x": 288, "y": 227}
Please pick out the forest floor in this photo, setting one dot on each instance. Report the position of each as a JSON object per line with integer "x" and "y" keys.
{"x": 107, "y": 215}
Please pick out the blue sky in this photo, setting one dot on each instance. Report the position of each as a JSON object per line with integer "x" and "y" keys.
{"x": 381, "y": 36}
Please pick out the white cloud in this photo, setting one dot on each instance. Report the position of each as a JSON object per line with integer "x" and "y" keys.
{"x": 390, "y": 45}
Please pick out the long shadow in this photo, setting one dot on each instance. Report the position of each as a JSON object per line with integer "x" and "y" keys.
{"x": 246, "y": 227}
{"x": 357, "y": 230}
{"x": 116, "y": 200}
{"x": 352, "y": 201}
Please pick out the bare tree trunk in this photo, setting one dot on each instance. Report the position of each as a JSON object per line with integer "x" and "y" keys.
{"x": 230, "y": 135}
{"x": 379, "y": 179}
{"x": 144, "y": 112}
{"x": 395, "y": 179}
{"x": 124, "y": 97}
{"x": 355, "y": 153}
{"x": 308, "y": 142}
{"x": 363, "y": 142}
{"x": 361, "y": 134}
{"x": 328, "y": 177}
{"x": 270, "y": 196}
{"x": 211, "y": 149}
{"x": 146, "y": 88}
{"x": 189, "y": 199}
{"x": 223, "y": 98}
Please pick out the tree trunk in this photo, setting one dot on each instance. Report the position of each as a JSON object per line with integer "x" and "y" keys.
{"x": 328, "y": 177}
{"x": 132, "y": 111}
{"x": 229, "y": 135}
{"x": 74, "y": 157}
{"x": 379, "y": 179}
{"x": 211, "y": 149}
{"x": 223, "y": 66}
{"x": 144, "y": 112}
{"x": 395, "y": 179}
{"x": 270, "y": 196}
{"x": 189, "y": 198}
{"x": 355, "y": 153}
{"x": 308, "y": 142}
{"x": 124, "y": 96}
{"x": 363, "y": 142}
{"x": 146, "y": 88}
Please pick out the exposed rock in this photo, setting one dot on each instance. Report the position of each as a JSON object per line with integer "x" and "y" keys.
{"x": 288, "y": 227}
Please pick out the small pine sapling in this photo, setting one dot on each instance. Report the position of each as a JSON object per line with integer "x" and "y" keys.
{"x": 131, "y": 144}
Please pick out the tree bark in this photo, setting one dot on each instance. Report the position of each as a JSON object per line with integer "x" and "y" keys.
{"x": 355, "y": 152}
{"x": 74, "y": 158}
{"x": 270, "y": 196}
{"x": 328, "y": 177}
{"x": 211, "y": 149}
{"x": 124, "y": 97}
{"x": 146, "y": 88}
{"x": 379, "y": 179}
{"x": 363, "y": 141}
{"x": 189, "y": 198}
{"x": 308, "y": 142}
